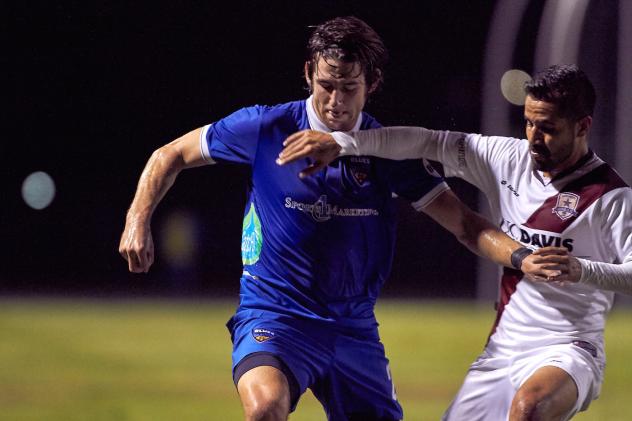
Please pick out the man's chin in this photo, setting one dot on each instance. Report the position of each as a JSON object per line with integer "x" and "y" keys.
{"x": 339, "y": 126}
{"x": 542, "y": 165}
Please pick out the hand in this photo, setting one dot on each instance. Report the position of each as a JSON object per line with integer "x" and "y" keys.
{"x": 551, "y": 264}
{"x": 137, "y": 245}
{"x": 319, "y": 146}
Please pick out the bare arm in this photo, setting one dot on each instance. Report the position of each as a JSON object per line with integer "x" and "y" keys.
{"x": 160, "y": 172}
{"x": 481, "y": 236}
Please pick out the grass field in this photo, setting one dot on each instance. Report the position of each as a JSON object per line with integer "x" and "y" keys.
{"x": 170, "y": 360}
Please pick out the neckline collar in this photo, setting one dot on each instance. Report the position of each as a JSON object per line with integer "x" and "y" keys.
{"x": 316, "y": 124}
{"x": 580, "y": 163}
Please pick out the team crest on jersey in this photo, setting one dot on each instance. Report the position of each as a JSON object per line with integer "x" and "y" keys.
{"x": 261, "y": 335}
{"x": 566, "y": 205}
{"x": 360, "y": 167}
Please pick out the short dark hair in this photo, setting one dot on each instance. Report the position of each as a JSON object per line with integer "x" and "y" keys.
{"x": 565, "y": 86}
{"x": 350, "y": 40}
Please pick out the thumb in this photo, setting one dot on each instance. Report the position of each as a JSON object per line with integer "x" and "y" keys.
{"x": 312, "y": 169}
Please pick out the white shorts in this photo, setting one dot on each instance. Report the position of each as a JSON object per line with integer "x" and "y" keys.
{"x": 492, "y": 381}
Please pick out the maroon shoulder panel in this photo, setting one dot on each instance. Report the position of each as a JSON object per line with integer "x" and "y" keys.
{"x": 559, "y": 211}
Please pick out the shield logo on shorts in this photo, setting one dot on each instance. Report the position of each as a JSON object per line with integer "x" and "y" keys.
{"x": 566, "y": 205}
{"x": 261, "y": 335}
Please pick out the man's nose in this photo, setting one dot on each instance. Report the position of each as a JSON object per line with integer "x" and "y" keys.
{"x": 536, "y": 135}
{"x": 336, "y": 98}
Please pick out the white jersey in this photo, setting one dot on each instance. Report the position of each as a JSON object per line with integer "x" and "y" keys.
{"x": 587, "y": 209}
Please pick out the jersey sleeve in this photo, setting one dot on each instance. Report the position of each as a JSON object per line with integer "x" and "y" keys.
{"x": 415, "y": 180}
{"x": 616, "y": 227}
{"x": 469, "y": 156}
{"x": 475, "y": 158}
{"x": 233, "y": 138}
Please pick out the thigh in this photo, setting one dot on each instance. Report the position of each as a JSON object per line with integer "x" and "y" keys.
{"x": 359, "y": 386}
{"x": 298, "y": 351}
{"x": 265, "y": 388}
{"x": 485, "y": 394}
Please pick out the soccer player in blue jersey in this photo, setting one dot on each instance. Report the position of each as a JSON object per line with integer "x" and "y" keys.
{"x": 316, "y": 250}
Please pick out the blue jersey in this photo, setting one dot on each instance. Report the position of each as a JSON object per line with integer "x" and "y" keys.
{"x": 319, "y": 247}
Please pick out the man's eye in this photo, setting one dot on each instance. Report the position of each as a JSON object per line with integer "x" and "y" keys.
{"x": 548, "y": 130}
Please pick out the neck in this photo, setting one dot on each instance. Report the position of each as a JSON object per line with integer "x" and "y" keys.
{"x": 574, "y": 162}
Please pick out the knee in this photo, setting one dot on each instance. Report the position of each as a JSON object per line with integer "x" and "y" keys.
{"x": 266, "y": 407}
{"x": 528, "y": 407}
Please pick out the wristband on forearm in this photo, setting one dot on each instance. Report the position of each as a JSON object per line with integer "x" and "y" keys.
{"x": 519, "y": 255}
{"x": 348, "y": 145}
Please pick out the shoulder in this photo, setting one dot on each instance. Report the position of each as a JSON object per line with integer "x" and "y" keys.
{"x": 286, "y": 113}
{"x": 369, "y": 122}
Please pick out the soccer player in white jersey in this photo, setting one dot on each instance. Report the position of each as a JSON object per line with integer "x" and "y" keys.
{"x": 544, "y": 359}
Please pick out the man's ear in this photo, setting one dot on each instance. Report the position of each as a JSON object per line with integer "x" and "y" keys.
{"x": 308, "y": 79}
{"x": 376, "y": 82}
{"x": 583, "y": 125}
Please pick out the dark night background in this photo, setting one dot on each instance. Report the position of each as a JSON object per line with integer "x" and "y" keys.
{"x": 92, "y": 88}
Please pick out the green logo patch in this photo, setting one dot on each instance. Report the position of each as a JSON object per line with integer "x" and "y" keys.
{"x": 251, "y": 238}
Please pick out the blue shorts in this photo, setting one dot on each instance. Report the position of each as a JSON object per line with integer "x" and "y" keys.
{"x": 346, "y": 369}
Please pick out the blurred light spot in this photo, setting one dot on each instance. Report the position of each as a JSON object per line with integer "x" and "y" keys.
{"x": 512, "y": 86}
{"x": 179, "y": 243}
{"x": 38, "y": 190}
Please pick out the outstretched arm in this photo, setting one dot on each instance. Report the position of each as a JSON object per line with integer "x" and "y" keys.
{"x": 483, "y": 238}
{"x": 388, "y": 142}
{"x": 160, "y": 172}
{"x": 608, "y": 276}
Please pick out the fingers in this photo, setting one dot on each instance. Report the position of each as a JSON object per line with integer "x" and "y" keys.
{"x": 309, "y": 144}
{"x": 549, "y": 259}
{"x": 296, "y": 146}
{"x": 295, "y": 151}
{"x": 294, "y": 137}
{"x": 138, "y": 254}
{"x": 546, "y": 251}
{"x": 136, "y": 262}
{"x": 312, "y": 169}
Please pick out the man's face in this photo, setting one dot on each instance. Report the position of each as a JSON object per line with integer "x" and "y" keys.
{"x": 339, "y": 91}
{"x": 555, "y": 143}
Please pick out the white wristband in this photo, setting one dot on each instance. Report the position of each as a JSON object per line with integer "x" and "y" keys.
{"x": 348, "y": 144}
